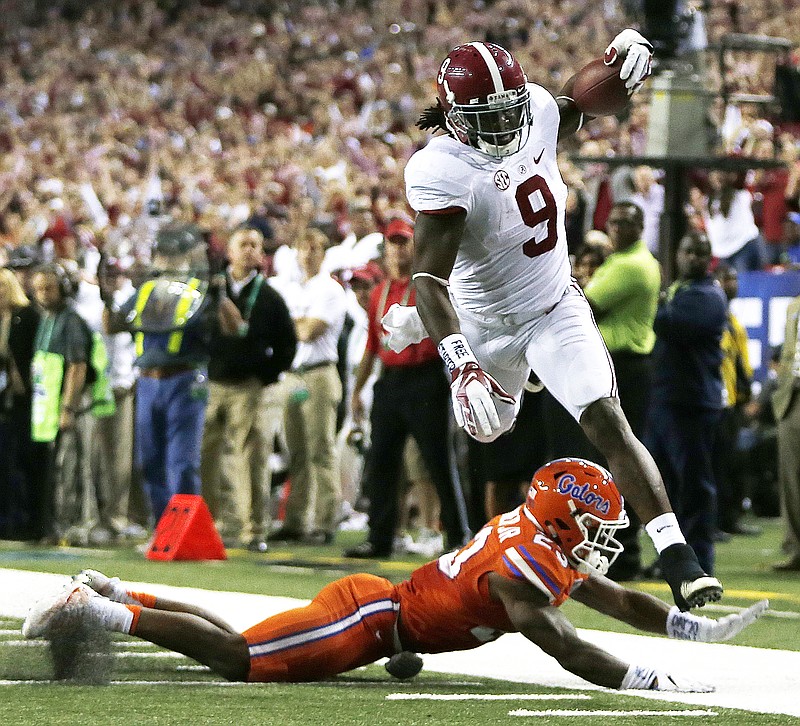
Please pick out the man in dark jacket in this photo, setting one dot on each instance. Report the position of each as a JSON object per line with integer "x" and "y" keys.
{"x": 241, "y": 369}
{"x": 686, "y": 397}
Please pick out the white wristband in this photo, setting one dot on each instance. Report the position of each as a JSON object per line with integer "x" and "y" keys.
{"x": 665, "y": 531}
{"x": 638, "y": 677}
{"x": 684, "y": 626}
{"x": 455, "y": 351}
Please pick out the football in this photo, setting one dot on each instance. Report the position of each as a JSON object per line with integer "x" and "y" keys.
{"x": 598, "y": 90}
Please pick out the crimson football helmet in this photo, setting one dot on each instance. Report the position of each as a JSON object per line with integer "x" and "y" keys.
{"x": 485, "y": 98}
{"x": 577, "y": 504}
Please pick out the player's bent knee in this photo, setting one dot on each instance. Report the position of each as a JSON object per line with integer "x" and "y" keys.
{"x": 232, "y": 659}
{"x": 605, "y": 423}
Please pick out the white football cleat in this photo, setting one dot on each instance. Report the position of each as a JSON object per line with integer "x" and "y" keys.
{"x": 71, "y": 599}
{"x": 102, "y": 584}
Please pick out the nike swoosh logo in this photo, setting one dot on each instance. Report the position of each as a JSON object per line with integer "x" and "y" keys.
{"x": 666, "y": 526}
{"x": 537, "y": 159}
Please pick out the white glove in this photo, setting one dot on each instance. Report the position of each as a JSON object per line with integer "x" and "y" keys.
{"x": 474, "y": 393}
{"x": 403, "y": 327}
{"x": 668, "y": 682}
{"x": 644, "y": 678}
{"x": 473, "y": 390}
{"x": 638, "y": 54}
{"x": 686, "y": 626}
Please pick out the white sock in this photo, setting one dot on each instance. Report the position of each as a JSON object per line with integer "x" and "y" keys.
{"x": 112, "y": 615}
{"x": 117, "y": 592}
{"x": 664, "y": 530}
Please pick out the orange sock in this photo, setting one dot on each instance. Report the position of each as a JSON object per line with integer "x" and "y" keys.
{"x": 136, "y": 611}
{"x": 149, "y": 601}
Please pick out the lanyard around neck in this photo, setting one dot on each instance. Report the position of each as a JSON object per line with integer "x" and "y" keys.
{"x": 42, "y": 341}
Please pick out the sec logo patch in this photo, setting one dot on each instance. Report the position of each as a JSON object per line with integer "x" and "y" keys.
{"x": 502, "y": 180}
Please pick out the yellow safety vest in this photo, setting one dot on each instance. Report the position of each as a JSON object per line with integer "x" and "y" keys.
{"x": 179, "y": 319}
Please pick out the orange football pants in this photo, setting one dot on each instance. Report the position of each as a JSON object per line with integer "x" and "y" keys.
{"x": 350, "y": 623}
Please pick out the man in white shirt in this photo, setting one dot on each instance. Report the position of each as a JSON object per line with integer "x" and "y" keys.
{"x": 317, "y": 305}
{"x": 114, "y": 435}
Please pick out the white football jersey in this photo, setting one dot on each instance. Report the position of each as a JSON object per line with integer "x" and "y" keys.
{"x": 513, "y": 255}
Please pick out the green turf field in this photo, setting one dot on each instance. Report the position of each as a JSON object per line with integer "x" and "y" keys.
{"x": 361, "y": 697}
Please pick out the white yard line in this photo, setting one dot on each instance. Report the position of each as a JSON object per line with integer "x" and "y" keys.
{"x": 135, "y": 683}
{"x": 488, "y": 697}
{"x": 571, "y": 713}
{"x": 752, "y": 679}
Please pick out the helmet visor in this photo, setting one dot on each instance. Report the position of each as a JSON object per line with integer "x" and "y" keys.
{"x": 499, "y": 127}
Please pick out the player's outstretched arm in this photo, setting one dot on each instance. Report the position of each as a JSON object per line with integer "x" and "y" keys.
{"x": 648, "y": 613}
{"x": 549, "y": 629}
{"x": 545, "y": 626}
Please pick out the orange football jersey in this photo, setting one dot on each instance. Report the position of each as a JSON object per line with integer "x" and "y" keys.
{"x": 446, "y": 605}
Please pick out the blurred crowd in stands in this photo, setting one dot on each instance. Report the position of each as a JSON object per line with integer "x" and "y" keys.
{"x": 118, "y": 119}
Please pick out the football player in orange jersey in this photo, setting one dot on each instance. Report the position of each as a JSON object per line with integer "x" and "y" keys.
{"x": 510, "y": 578}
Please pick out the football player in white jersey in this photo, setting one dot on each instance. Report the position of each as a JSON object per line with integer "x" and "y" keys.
{"x": 494, "y": 288}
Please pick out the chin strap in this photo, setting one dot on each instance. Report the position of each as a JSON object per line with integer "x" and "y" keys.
{"x": 499, "y": 151}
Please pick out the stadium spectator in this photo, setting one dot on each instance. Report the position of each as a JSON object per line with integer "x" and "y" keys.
{"x": 20, "y": 478}
{"x": 60, "y": 373}
{"x": 648, "y": 194}
{"x": 587, "y": 259}
{"x": 727, "y": 214}
{"x": 235, "y": 445}
{"x": 170, "y": 319}
{"x": 686, "y": 395}
{"x": 772, "y": 190}
{"x": 623, "y": 293}
{"x": 317, "y": 306}
{"x": 113, "y": 468}
{"x": 737, "y": 379}
{"x": 410, "y": 398}
{"x": 786, "y": 405}
{"x": 460, "y": 601}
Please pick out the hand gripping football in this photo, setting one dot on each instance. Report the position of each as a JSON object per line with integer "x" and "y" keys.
{"x": 598, "y": 90}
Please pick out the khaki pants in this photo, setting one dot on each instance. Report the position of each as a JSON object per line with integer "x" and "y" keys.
{"x": 74, "y": 498}
{"x": 311, "y": 442}
{"x": 789, "y": 476}
{"x": 113, "y": 463}
{"x": 233, "y": 459}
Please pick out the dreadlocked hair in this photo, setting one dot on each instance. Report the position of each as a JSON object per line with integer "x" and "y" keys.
{"x": 433, "y": 118}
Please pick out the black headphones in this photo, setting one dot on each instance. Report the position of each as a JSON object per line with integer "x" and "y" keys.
{"x": 67, "y": 285}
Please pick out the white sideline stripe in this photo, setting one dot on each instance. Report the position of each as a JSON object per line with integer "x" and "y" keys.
{"x": 154, "y": 654}
{"x": 123, "y": 654}
{"x": 557, "y": 712}
{"x": 14, "y": 631}
{"x": 137, "y": 683}
{"x": 24, "y": 643}
{"x": 494, "y": 71}
{"x": 488, "y": 697}
{"x": 717, "y": 608}
{"x": 136, "y": 644}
